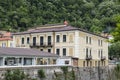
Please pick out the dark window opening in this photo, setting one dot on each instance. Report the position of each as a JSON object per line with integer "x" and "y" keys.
{"x": 64, "y": 51}
{"x": 64, "y": 38}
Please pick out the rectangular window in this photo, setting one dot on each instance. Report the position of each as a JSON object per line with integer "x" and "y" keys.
{"x": 49, "y": 50}
{"x": 66, "y": 62}
{"x": 95, "y": 63}
{"x": 3, "y": 44}
{"x": 64, "y": 38}
{"x": 49, "y": 40}
{"x": 86, "y": 39}
{"x": 11, "y": 44}
{"x": 41, "y": 40}
{"x": 101, "y": 42}
{"x": 90, "y": 52}
{"x": 87, "y": 63}
{"x": 64, "y": 51}
{"x": 86, "y": 52}
{"x": 98, "y": 42}
{"x": 99, "y": 53}
{"x": 89, "y": 40}
{"x": 28, "y": 40}
{"x": 22, "y": 40}
{"x": 57, "y": 38}
{"x": 83, "y": 63}
{"x": 34, "y": 41}
{"x": 58, "y": 51}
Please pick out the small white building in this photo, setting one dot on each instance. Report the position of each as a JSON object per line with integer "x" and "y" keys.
{"x": 67, "y": 60}
{"x": 24, "y": 56}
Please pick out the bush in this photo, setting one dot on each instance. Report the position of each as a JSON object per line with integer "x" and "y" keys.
{"x": 41, "y": 74}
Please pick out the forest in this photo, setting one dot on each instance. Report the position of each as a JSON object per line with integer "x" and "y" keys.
{"x": 93, "y": 15}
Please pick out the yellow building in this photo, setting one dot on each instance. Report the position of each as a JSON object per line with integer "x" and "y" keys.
{"x": 86, "y": 48}
{"x": 6, "y": 39}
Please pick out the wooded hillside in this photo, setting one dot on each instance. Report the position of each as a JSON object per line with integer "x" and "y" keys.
{"x": 92, "y": 15}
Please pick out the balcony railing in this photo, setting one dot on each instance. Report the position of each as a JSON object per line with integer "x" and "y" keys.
{"x": 45, "y": 44}
{"x": 33, "y": 45}
{"x": 103, "y": 58}
{"x": 88, "y": 57}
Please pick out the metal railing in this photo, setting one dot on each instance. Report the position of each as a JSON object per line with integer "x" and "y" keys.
{"x": 103, "y": 57}
{"x": 88, "y": 57}
{"x": 44, "y": 44}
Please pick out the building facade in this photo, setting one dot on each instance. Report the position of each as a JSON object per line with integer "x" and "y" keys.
{"x": 6, "y": 39}
{"x": 63, "y": 40}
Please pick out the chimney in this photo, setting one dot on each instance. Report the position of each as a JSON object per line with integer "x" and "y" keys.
{"x": 65, "y": 23}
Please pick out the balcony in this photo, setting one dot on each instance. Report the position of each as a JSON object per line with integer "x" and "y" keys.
{"x": 42, "y": 45}
{"x": 88, "y": 57}
{"x": 103, "y": 58}
{"x": 37, "y": 45}
{"x": 32, "y": 45}
{"x": 49, "y": 44}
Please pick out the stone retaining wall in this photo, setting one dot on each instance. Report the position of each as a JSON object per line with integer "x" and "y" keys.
{"x": 86, "y": 73}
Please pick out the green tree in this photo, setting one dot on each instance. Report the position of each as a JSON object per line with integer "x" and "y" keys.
{"x": 114, "y": 50}
{"x": 41, "y": 74}
{"x": 65, "y": 71}
{"x": 14, "y": 75}
{"x": 116, "y": 32}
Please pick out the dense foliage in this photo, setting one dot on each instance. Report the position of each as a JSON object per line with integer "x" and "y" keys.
{"x": 93, "y": 15}
{"x": 114, "y": 50}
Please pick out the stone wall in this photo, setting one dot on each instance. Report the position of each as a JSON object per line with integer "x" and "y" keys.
{"x": 86, "y": 73}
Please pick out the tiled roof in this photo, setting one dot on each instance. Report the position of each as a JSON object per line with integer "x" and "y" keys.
{"x": 55, "y": 29}
{"x": 7, "y": 34}
{"x": 4, "y": 39}
{"x": 25, "y": 52}
{"x": 41, "y": 30}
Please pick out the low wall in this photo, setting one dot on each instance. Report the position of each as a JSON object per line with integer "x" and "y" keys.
{"x": 86, "y": 73}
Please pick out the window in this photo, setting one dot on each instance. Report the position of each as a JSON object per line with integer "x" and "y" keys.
{"x": 11, "y": 45}
{"x": 100, "y": 42}
{"x": 87, "y": 39}
{"x": 64, "y": 38}
{"x": 86, "y": 52}
{"x": 87, "y": 63}
{"x": 28, "y": 40}
{"x": 83, "y": 63}
{"x": 99, "y": 53}
{"x": 95, "y": 63}
{"x": 58, "y": 51}
{"x": 49, "y": 40}
{"x": 22, "y": 40}
{"x": 64, "y": 51}
{"x": 57, "y": 38}
{"x": 3, "y": 44}
{"x": 90, "y": 63}
{"x": 49, "y": 50}
{"x": 41, "y": 40}
{"x": 41, "y": 49}
{"x": 90, "y": 52}
{"x": 66, "y": 62}
{"x": 34, "y": 41}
